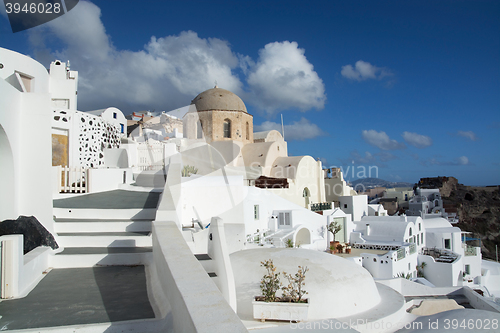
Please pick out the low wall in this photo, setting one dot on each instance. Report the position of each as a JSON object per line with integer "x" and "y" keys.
{"x": 218, "y": 251}
{"x": 196, "y": 303}
{"x": 108, "y": 179}
{"x": 22, "y": 272}
{"x": 479, "y": 302}
{"x": 409, "y": 288}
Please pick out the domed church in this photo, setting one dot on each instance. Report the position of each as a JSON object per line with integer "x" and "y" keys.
{"x": 220, "y": 119}
{"x": 220, "y": 115}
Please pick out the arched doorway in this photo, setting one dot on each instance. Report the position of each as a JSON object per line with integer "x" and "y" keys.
{"x": 302, "y": 237}
{"x": 7, "y": 178}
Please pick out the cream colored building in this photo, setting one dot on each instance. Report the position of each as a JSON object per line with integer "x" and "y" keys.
{"x": 219, "y": 118}
{"x": 220, "y": 115}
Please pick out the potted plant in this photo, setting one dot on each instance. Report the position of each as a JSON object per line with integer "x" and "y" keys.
{"x": 332, "y": 249}
{"x": 334, "y": 227}
{"x": 339, "y": 248}
{"x": 289, "y": 243}
{"x": 290, "y": 306}
{"x": 348, "y": 248}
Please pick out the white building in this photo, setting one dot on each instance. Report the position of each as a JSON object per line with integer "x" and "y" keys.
{"x": 229, "y": 209}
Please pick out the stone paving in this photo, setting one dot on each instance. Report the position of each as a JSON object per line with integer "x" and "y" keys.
{"x": 73, "y": 296}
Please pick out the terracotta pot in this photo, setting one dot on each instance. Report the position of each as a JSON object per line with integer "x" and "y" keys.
{"x": 348, "y": 251}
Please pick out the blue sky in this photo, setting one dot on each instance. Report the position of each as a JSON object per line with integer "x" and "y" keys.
{"x": 411, "y": 87}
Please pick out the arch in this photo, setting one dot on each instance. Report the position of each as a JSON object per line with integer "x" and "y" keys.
{"x": 227, "y": 128}
{"x": 7, "y": 179}
{"x": 302, "y": 237}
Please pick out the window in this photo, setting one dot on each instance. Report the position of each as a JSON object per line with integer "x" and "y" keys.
{"x": 467, "y": 269}
{"x": 419, "y": 226}
{"x": 247, "y": 128}
{"x": 122, "y": 128}
{"x": 409, "y": 266}
{"x": 345, "y": 205}
{"x": 284, "y": 219}
{"x": 411, "y": 231}
{"x": 406, "y": 197}
{"x": 114, "y": 115}
{"x": 447, "y": 244}
{"x": 422, "y": 238}
{"x": 256, "y": 212}
{"x": 227, "y": 128}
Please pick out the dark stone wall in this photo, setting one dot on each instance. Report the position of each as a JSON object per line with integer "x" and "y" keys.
{"x": 34, "y": 232}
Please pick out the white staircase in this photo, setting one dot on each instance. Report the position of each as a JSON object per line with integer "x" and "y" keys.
{"x": 102, "y": 237}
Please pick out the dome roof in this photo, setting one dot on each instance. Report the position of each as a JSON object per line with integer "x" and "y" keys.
{"x": 336, "y": 287}
{"x": 218, "y": 99}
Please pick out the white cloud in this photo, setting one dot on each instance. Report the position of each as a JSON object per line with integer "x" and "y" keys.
{"x": 283, "y": 78}
{"x": 363, "y": 70}
{"x": 170, "y": 71}
{"x": 385, "y": 156}
{"x": 468, "y": 135}
{"x": 417, "y": 140}
{"x": 462, "y": 160}
{"x": 381, "y": 140}
{"x": 166, "y": 74}
{"x": 298, "y": 130}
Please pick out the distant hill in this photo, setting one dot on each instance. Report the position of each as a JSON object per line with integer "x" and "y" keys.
{"x": 377, "y": 182}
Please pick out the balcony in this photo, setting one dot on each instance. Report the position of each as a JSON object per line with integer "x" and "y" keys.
{"x": 413, "y": 248}
{"x": 469, "y": 250}
{"x": 440, "y": 255}
{"x": 316, "y": 207}
{"x": 401, "y": 253}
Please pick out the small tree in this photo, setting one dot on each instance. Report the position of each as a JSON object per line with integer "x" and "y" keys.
{"x": 334, "y": 227}
{"x": 189, "y": 170}
{"x": 420, "y": 269}
{"x": 289, "y": 243}
{"x": 294, "y": 291}
{"x": 270, "y": 283}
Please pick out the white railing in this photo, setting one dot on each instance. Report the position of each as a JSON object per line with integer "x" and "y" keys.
{"x": 151, "y": 155}
{"x": 73, "y": 180}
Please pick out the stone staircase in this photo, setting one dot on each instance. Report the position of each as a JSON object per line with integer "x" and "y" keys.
{"x": 102, "y": 237}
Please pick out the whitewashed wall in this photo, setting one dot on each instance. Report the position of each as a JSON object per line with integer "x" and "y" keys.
{"x": 25, "y": 140}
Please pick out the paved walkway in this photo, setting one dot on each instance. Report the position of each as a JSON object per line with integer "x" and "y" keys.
{"x": 73, "y": 296}
{"x": 116, "y": 199}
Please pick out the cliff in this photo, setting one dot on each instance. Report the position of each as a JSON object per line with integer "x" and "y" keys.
{"x": 478, "y": 209}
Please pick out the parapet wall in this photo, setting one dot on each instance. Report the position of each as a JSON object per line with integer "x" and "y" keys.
{"x": 196, "y": 303}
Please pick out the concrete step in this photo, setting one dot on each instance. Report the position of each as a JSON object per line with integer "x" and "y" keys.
{"x": 206, "y": 262}
{"x": 80, "y": 225}
{"x": 101, "y": 256}
{"x": 104, "y": 239}
{"x": 104, "y": 214}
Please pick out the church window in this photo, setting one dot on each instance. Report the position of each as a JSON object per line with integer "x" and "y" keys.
{"x": 227, "y": 128}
